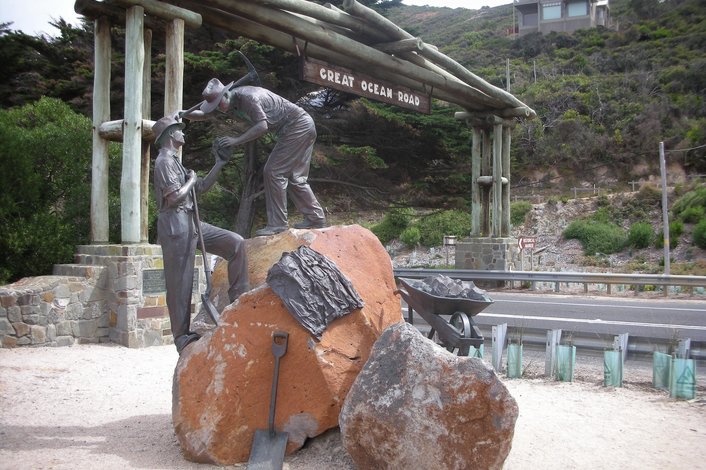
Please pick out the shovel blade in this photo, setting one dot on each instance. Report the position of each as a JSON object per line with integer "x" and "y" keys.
{"x": 210, "y": 309}
{"x": 267, "y": 451}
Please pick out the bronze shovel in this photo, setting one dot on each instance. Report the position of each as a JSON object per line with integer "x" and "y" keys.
{"x": 268, "y": 446}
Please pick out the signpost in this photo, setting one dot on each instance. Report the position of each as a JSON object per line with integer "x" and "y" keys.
{"x": 343, "y": 79}
{"x": 527, "y": 242}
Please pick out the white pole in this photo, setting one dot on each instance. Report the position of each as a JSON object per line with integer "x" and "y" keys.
{"x": 665, "y": 215}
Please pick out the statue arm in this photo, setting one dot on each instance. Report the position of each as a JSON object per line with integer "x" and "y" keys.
{"x": 204, "y": 184}
{"x": 175, "y": 197}
{"x": 192, "y": 115}
{"x": 255, "y": 132}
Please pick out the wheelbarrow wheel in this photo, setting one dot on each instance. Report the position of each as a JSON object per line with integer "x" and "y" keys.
{"x": 462, "y": 324}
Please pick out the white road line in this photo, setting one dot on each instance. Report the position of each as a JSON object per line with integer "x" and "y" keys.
{"x": 601, "y": 305}
{"x": 592, "y": 322}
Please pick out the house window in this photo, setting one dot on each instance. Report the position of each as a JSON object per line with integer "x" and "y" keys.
{"x": 551, "y": 11}
{"x": 529, "y": 19}
{"x": 578, "y": 8}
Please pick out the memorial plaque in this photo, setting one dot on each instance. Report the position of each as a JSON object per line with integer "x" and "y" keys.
{"x": 153, "y": 281}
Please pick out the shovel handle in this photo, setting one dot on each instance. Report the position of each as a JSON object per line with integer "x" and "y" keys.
{"x": 279, "y": 348}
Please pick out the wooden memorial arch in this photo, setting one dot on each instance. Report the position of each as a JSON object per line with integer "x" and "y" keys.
{"x": 333, "y": 43}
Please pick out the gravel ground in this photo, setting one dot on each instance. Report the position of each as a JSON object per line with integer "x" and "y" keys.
{"x": 109, "y": 407}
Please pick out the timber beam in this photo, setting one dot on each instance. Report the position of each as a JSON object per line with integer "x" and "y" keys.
{"x": 164, "y": 10}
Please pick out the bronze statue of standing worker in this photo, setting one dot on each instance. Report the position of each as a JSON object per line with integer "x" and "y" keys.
{"x": 175, "y": 188}
{"x": 287, "y": 167}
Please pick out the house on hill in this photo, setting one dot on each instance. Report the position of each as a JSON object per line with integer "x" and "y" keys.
{"x": 565, "y": 16}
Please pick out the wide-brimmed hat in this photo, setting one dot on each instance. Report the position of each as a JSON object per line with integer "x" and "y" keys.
{"x": 163, "y": 126}
{"x": 212, "y": 94}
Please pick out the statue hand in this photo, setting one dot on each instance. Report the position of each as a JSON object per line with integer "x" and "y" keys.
{"x": 226, "y": 141}
{"x": 221, "y": 153}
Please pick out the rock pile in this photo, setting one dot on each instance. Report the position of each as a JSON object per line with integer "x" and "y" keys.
{"x": 222, "y": 382}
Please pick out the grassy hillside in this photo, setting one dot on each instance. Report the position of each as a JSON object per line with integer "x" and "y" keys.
{"x": 605, "y": 97}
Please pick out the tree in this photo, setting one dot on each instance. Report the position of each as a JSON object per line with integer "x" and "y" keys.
{"x": 45, "y": 162}
{"x": 36, "y": 66}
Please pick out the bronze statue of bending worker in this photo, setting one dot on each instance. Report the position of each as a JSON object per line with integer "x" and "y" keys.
{"x": 174, "y": 188}
{"x": 287, "y": 167}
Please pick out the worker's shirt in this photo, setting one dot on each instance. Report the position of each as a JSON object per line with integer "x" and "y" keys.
{"x": 259, "y": 104}
{"x": 169, "y": 176}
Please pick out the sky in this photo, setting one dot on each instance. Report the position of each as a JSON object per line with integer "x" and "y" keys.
{"x": 33, "y": 16}
{"x": 471, "y": 4}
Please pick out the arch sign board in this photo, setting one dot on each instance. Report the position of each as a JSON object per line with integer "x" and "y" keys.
{"x": 340, "y": 78}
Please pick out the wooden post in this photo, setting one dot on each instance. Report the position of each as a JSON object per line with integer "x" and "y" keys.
{"x": 164, "y": 10}
{"x": 486, "y": 167}
{"x": 132, "y": 127}
{"x": 174, "y": 73}
{"x": 113, "y": 130}
{"x": 146, "y": 113}
{"x": 101, "y": 113}
{"x": 475, "y": 186}
{"x": 497, "y": 180}
{"x": 251, "y": 177}
{"x": 507, "y": 142}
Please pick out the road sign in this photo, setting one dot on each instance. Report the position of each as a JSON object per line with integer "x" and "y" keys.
{"x": 341, "y": 78}
{"x": 527, "y": 242}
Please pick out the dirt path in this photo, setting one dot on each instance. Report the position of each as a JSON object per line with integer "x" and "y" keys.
{"x": 109, "y": 407}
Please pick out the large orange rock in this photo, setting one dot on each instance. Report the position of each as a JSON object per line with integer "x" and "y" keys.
{"x": 222, "y": 382}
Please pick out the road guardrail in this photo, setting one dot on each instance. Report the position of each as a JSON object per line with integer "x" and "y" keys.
{"x": 609, "y": 279}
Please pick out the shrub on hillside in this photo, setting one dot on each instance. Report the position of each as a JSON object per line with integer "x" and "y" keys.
{"x": 676, "y": 229}
{"x": 433, "y": 227}
{"x": 393, "y": 224}
{"x": 695, "y": 198}
{"x": 596, "y": 237}
{"x": 650, "y": 196}
{"x": 518, "y": 212}
{"x": 699, "y": 234}
{"x": 411, "y": 236}
{"x": 640, "y": 235}
{"x": 692, "y": 215}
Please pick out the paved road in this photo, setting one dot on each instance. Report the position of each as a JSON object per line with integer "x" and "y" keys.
{"x": 651, "y": 318}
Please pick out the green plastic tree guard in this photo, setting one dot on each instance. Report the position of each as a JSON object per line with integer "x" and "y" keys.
{"x": 565, "y": 363}
{"x": 476, "y": 352}
{"x": 682, "y": 383}
{"x": 613, "y": 368}
{"x": 514, "y": 361}
{"x": 661, "y": 368}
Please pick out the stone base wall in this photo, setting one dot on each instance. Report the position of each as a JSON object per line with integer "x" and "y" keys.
{"x": 106, "y": 296}
{"x": 54, "y": 311}
{"x": 490, "y": 254}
